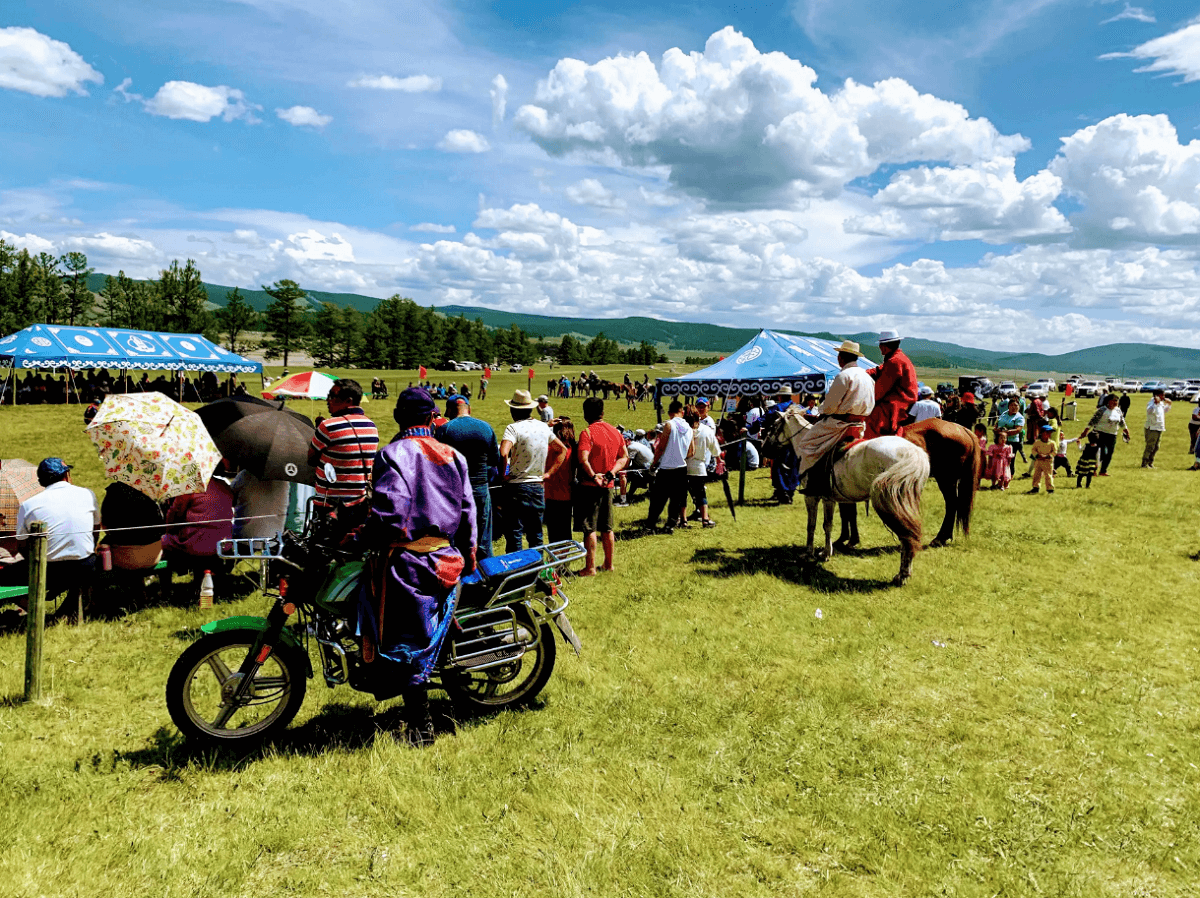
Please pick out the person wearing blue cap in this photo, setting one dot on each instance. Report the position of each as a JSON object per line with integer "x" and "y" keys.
{"x": 72, "y": 518}
{"x": 1043, "y": 451}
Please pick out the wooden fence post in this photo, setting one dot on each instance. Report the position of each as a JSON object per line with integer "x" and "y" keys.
{"x": 36, "y": 614}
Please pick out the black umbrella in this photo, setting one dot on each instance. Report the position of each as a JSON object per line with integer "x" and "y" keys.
{"x": 268, "y": 440}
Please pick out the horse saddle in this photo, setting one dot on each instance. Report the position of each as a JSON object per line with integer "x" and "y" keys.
{"x": 818, "y": 480}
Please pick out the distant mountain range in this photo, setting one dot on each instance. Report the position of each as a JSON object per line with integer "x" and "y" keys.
{"x": 1120, "y": 359}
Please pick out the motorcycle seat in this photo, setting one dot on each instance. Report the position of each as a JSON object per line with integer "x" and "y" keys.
{"x": 490, "y": 573}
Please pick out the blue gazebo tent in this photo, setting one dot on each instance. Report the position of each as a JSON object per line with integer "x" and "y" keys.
{"x": 52, "y": 346}
{"x": 770, "y": 363}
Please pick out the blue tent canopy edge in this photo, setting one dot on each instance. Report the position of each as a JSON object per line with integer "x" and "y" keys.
{"x": 769, "y": 364}
{"x": 77, "y": 348}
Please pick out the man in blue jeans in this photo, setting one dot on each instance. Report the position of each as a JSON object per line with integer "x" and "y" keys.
{"x": 523, "y": 448}
{"x": 476, "y": 441}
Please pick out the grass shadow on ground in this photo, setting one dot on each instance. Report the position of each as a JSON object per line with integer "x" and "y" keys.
{"x": 337, "y": 727}
{"x": 787, "y": 563}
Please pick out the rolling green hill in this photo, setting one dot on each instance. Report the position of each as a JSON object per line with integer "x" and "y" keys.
{"x": 1122, "y": 359}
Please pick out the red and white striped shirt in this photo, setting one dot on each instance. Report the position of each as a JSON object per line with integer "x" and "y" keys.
{"x": 349, "y": 443}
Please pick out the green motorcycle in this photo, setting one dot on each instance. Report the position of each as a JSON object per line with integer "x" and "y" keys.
{"x": 244, "y": 680}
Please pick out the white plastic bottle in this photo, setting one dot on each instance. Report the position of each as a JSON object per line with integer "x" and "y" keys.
{"x": 206, "y": 590}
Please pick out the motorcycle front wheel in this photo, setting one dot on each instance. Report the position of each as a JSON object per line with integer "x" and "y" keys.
{"x": 204, "y": 679}
{"x": 507, "y": 685}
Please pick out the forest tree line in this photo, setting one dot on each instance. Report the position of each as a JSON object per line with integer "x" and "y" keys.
{"x": 398, "y": 333}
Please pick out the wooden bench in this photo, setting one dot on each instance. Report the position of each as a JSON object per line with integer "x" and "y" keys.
{"x": 12, "y": 593}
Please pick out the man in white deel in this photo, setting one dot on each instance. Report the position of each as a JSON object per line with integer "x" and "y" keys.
{"x": 848, "y": 402}
{"x": 72, "y": 518}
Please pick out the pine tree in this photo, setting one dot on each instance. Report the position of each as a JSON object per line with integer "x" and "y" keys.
{"x": 349, "y": 336}
{"x": 50, "y": 299}
{"x": 183, "y": 297}
{"x": 78, "y": 298}
{"x": 322, "y": 342}
{"x": 235, "y": 319}
{"x": 286, "y": 320}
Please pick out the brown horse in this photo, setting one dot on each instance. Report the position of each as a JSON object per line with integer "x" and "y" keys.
{"x": 955, "y": 462}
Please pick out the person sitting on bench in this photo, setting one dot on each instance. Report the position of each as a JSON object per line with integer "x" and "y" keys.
{"x": 132, "y": 549}
{"x": 72, "y": 518}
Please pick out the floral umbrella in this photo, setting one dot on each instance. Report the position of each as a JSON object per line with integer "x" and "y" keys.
{"x": 154, "y": 445}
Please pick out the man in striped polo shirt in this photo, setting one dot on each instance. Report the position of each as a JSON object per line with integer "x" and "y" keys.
{"x": 348, "y": 440}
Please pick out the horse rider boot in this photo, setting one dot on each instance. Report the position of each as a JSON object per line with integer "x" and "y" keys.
{"x": 849, "y": 400}
{"x": 418, "y": 720}
{"x": 895, "y": 388}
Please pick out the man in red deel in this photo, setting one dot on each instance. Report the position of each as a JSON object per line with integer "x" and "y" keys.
{"x": 895, "y": 388}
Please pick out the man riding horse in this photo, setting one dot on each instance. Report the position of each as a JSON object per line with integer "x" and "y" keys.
{"x": 895, "y": 388}
{"x": 848, "y": 402}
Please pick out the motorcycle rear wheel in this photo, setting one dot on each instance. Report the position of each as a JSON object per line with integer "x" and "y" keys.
{"x": 207, "y": 673}
{"x": 508, "y": 685}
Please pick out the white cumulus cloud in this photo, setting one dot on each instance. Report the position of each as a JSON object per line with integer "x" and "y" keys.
{"x": 114, "y": 246}
{"x": 413, "y": 84}
{"x": 463, "y": 141}
{"x": 304, "y": 116}
{"x": 36, "y": 64}
{"x": 590, "y": 192}
{"x": 199, "y": 103}
{"x": 1177, "y": 53}
{"x": 313, "y": 246}
{"x": 429, "y": 227}
{"x": 31, "y": 242}
{"x": 739, "y": 126}
{"x": 1136, "y": 181}
{"x": 984, "y": 202}
{"x": 499, "y": 93}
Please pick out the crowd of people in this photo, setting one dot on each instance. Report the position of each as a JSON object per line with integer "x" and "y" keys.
{"x": 432, "y": 500}
{"x": 91, "y": 385}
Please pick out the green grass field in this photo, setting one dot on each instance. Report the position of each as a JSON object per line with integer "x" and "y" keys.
{"x": 1020, "y": 719}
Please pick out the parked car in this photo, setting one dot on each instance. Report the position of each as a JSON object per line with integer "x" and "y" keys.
{"x": 944, "y": 389}
{"x": 1176, "y": 389}
{"x": 1131, "y": 386}
{"x": 1090, "y": 388}
{"x": 1037, "y": 388}
{"x": 1007, "y": 388}
{"x": 513, "y": 369}
{"x": 1049, "y": 383}
{"x": 977, "y": 384}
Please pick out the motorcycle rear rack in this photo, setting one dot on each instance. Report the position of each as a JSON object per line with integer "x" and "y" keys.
{"x": 252, "y": 547}
{"x": 480, "y": 645}
{"x": 554, "y": 555}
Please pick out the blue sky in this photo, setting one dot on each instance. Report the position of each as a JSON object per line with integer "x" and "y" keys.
{"x": 1019, "y": 174}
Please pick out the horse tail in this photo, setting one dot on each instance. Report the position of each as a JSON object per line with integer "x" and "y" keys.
{"x": 896, "y": 493}
{"x": 968, "y": 484}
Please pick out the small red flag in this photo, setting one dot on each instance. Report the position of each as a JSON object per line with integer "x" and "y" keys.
{"x": 531, "y": 374}
{"x": 422, "y": 373}
{"x": 487, "y": 373}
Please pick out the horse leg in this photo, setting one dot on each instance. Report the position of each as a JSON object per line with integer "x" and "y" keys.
{"x": 848, "y": 537}
{"x": 810, "y": 505}
{"x": 948, "y": 484}
{"x": 828, "y": 521}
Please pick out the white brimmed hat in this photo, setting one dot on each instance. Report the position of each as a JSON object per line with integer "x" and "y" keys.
{"x": 889, "y": 336}
{"x": 521, "y": 399}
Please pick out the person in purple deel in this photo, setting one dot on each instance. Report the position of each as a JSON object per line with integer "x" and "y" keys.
{"x": 422, "y": 528}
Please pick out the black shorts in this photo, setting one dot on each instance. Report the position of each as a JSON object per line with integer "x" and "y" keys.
{"x": 697, "y": 489}
{"x": 593, "y": 509}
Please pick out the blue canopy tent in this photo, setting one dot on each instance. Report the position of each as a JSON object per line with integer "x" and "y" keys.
{"x": 770, "y": 363}
{"x": 52, "y": 346}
